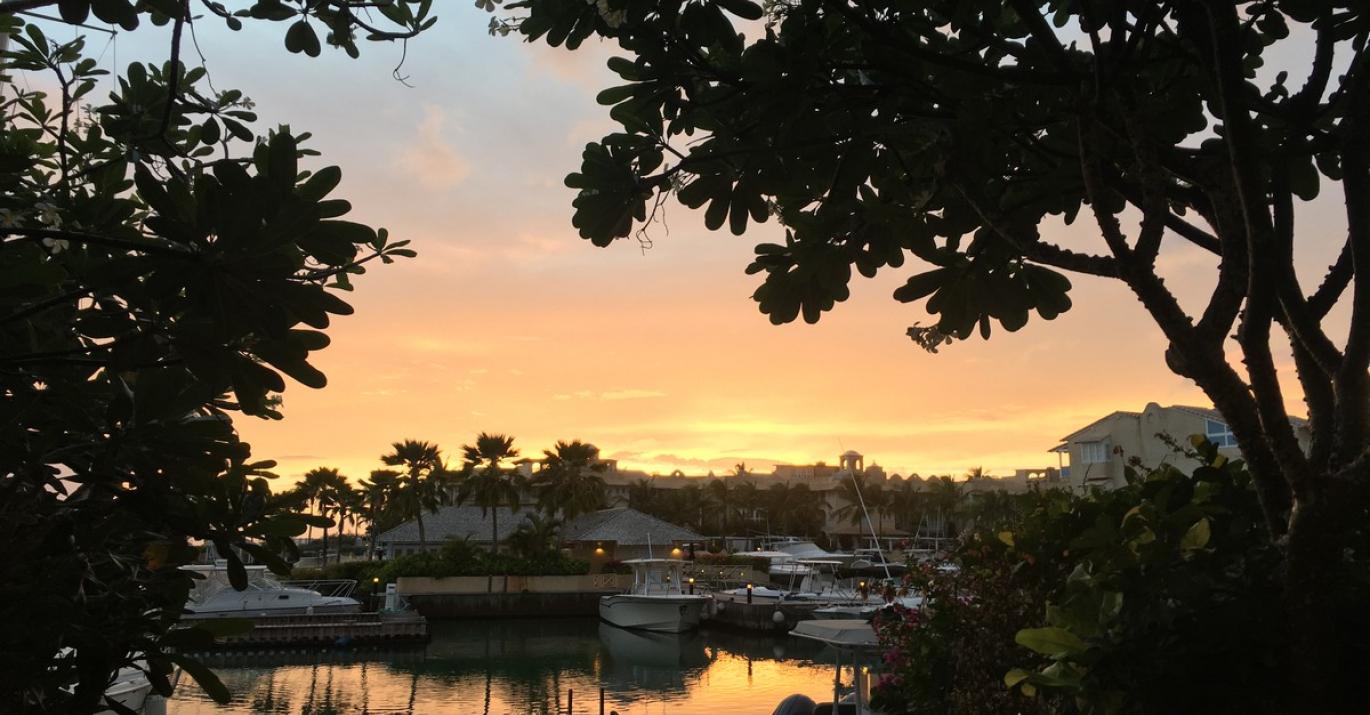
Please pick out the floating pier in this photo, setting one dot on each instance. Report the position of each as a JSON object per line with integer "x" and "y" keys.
{"x": 330, "y": 630}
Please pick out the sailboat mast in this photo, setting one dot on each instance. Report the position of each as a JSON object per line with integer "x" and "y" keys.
{"x": 856, "y": 484}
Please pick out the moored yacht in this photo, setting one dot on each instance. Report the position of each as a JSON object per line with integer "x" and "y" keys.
{"x": 656, "y": 602}
{"x": 215, "y": 597}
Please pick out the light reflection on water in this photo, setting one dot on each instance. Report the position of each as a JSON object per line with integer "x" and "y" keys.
{"x": 495, "y": 667}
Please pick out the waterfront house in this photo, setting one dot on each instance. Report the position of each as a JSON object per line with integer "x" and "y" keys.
{"x": 450, "y": 522}
{"x": 622, "y": 533}
{"x": 1095, "y": 455}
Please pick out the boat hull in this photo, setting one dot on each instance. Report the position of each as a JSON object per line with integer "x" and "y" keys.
{"x": 248, "y": 611}
{"x": 663, "y": 613}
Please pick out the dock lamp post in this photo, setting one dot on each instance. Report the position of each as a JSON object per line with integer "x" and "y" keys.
{"x": 749, "y": 593}
{"x": 692, "y": 585}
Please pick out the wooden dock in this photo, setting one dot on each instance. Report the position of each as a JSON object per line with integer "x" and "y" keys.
{"x": 760, "y": 614}
{"x": 330, "y": 630}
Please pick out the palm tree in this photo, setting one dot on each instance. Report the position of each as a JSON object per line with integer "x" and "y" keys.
{"x": 747, "y": 499}
{"x": 906, "y": 501}
{"x": 377, "y": 497}
{"x": 806, "y": 510}
{"x": 944, "y": 497}
{"x": 535, "y": 537}
{"x": 777, "y": 507}
{"x": 692, "y": 502}
{"x": 793, "y": 509}
{"x": 421, "y": 484}
{"x": 642, "y": 495}
{"x": 319, "y": 487}
{"x": 721, "y": 491}
{"x": 346, "y": 505}
{"x": 485, "y": 481}
{"x": 570, "y": 480}
{"x": 856, "y": 491}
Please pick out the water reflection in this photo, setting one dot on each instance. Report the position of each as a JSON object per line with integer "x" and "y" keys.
{"x": 510, "y": 666}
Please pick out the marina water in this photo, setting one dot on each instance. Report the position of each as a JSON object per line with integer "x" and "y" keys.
{"x": 494, "y": 667}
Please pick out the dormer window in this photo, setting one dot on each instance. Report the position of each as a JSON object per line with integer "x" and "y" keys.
{"x": 1219, "y": 433}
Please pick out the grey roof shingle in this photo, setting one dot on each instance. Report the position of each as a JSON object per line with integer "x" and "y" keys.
{"x": 628, "y": 527}
{"x": 456, "y": 522}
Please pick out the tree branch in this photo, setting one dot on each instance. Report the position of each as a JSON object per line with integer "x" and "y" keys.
{"x": 1338, "y": 277}
{"x": 124, "y": 244}
{"x": 1263, "y": 277}
{"x": 1351, "y": 382}
{"x": 1042, "y": 32}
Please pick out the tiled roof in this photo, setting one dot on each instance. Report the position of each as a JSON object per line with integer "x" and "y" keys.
{"x": 1105, "y": 418}
{"x": 1212, "y": 414}
{"x": 627, "y": 527}
{"x": 456, "y": 522}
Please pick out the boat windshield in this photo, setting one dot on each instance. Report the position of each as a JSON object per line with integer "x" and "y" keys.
{"x": 216, "y": 581}
{"x": 657, "y": 577}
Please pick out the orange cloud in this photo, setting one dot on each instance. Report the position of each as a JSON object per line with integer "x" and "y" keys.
{"x": 428, "y": 157}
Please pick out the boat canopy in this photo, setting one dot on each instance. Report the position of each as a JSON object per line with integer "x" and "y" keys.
{"x": 852, "y": 634}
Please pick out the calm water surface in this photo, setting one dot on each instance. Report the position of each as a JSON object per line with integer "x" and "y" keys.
{"x": 526, "y": 666}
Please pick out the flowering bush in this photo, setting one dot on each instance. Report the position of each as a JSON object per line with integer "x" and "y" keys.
{"x": 950, "y": 654}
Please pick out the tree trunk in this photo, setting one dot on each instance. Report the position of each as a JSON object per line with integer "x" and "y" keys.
{"x": 423, "y": 538}
{"x": 494, "y": 548}
{"x": 1322, "y": 596}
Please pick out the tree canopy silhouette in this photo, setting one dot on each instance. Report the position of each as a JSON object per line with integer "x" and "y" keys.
{"x": 164, "y": 264}
{"x": 945, "y": 134}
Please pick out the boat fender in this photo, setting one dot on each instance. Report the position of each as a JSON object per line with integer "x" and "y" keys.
{"x": 722, "y": 606}
{"x": 778, "y": 617}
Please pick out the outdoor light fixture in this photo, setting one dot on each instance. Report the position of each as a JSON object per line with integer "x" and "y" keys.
{"x": 692, "y": 585}
{"x": 749, "y": 593}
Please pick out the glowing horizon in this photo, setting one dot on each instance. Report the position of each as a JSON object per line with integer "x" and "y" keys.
{"x": 508, "y": 322}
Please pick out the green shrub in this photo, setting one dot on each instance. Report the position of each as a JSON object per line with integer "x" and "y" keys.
{"x": 1160, "y": 596}
{"x": 459, "y": 558}
{"x": 360, "y": 571}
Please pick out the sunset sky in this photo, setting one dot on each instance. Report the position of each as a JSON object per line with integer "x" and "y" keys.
{"x": 508, "y": 322}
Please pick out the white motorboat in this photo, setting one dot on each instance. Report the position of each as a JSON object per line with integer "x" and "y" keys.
{"x": 806, "y": 549}
{"x": 215, "y": 597}
{"x": 131, "y": 688}
{"x": 656, "y": 601}
{"x": 779, "y": 565}
{"x": 864, "y": 611}
{"x": 814, "y": 581}
{"x": 858, "y": 642}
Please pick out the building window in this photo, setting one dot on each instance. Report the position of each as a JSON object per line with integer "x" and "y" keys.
{"x": 1219, "y": 433}
{"x": 1093, "y": 452}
